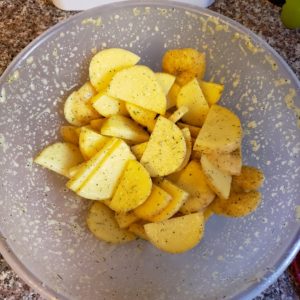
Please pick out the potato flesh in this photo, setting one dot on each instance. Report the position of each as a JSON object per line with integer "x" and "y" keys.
{"x": 221, "y": 132}
{"x": 188, "y": 140}
{"x": 166, "y": 149}
{"x": 138, "y": 230}
{"x": 191, "y": 96}
{"x": 156, "y": 202}
{"x": 211, "y": 91}
{"x": 69, "y": 134}
{"x": 194, "y": 130}
{"x": 178, "y": 114}
{"x": 138, "y": 85}
{"x": 139, "y": 149}
{"x": 106, "y": 63}
{"x": 176, "y": 235}
{"x": 133, "y": 188}
{"x": 124, "y": 220}
{"x": 102, "y": 223}
{"x": 60, "y": 157}
{"x": 166, "y": 81}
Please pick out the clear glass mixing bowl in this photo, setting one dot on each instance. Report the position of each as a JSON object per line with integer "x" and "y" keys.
{"x": 43, "y": 231}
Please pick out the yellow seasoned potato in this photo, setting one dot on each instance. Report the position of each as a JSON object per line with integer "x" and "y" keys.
{"x": 178, "y": 195}
{"x": 207, "y": 213}
{"x": 142, "y": 116}
{"x": 230, "y": 163}
{"x": 196, "y": 155}
{"x": 108, "y": 106}
{"x": 166, "y": 81}
{"x": 138, "y": 85}
{"x": 219, "y": 181}
{"x": 124, "y": 128}
{"x": 138, "y": 230}
{"x": 72, "y": 171}
{"x": 106, "y": 63}
{"x": 97, "y": 124}
{"x": 166, "y": 149}
{"x": 100, "y": 177}
{"x": 101, "y": 222}
{"x": 177, "y": 61}
{"x": 124, "y": 220}
{"x": 250, "y": 179}
{"x": 156, "y": 202}
{"x": 184, "y": 78}
{"x": 139, "y": 149}
{"x": 211, "y": 91}
{"x": 193, "y": 180}
{"x": 172, "y": 95}
{"x": 221, "y": 132}
{"x": 178, "y": 114}
{"x": 91, "y": 142}
{"x": 191, "y": 96}
{"x": 188, "y": 139}
{"x": 237, "y": 205}
{"x": 69, "y": 134}
{"x": 178, "y": 234}
{"x": 194, "y": 130}
{"x": 133, "y": 189}
{"x": 78, "y": 110}
{"x": 60, "y": 157}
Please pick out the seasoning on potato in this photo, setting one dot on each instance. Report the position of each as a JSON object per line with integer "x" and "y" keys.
{"x": 153, "y": 151}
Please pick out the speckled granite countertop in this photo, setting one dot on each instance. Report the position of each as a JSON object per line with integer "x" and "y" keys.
{"x": 23, "y": 20}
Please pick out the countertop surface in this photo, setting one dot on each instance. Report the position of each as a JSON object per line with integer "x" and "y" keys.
{"x": 23, "y": 20}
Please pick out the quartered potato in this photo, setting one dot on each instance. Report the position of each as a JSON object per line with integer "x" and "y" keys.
{"x": 60, "y": 157}
{"x": 188, "y": 140}
{"x": 106, "y": 63}
{"x": 166, "y": 149}
{"x": 221, "y": 131}
{"x": 178, "y": 114}
{"x": 219, "y": 181}
{"x": 237, "y": 205}
{"x": 178, "y": 234}
{"x": 102, "y": 223}
{"x": 73, "y": 170}
{"x": 78, "y": 110}
{"x": 191, "y": 96}
{"x": 96, "y": 124}
{"x": 156, "y": 202}
{"x": 124, "y": 220}
{"x": 172, "y": 95}
{"x": 211, "y": 91}
{"x": 124, "y": 128}
{"x": 138, "y": 230}
{"x": 139, "y": 149}
{"x": 194, "y": 130}
{"x": 133, "y": 188}
{"x": 138, "y": 85}
{"x": 166, "y": 81}
{"x": 69, "y": 134}
{"x": 250, "y": 179}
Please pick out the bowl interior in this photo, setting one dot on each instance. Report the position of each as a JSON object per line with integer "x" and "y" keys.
{"x": 43, "y": 224}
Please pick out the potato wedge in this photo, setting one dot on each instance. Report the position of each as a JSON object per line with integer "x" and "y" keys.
{"x": 178, "y": 114}
{"x": 124, "y": 220}
{"x": 166, "y": 81}
{"x": 172, "y": 95}
{"x": 211, "y": 91}
{"x": 166, "y": 149}
{"x": 218, "y": 181}
{"x": 134, "y": 188}
{"x": 72, "y": 171}
{"x": 78, "y": 110}
{"x": 178, "y": 234}
{"x": 250, "y": 179}
{"x": 97, "y": 124}
{"x": 138, "y": 230}
{"x": 124, "y": 128}
{"x": 156, "y": 202}
{"x": 221, "y": 132}
{"x": 230, "y": 163}
{"x": 138, "y": 85}
{"x": 100, "y": 177}
{"x": 194, "y": 130}
{"x": 192, "y": 179}
{"x": 238, "y": 204}
{"x": 106, "y": 63}
{"x": 191, "y": 96}
{"x": 108, "y": 106}
{"x": 207, "y": 213}
{"x": 139, "y": 149}
{"x": 69, "y": 134}
{"x": 91, "y": 142}
{"x": 142, "y": 116}
{"x": 101, "y": 222}
{"x": 59, "y": 157}
{"x": 188, "y": 139}
{"x": 177, "y": 61}
{"x": 179, "y": 196}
